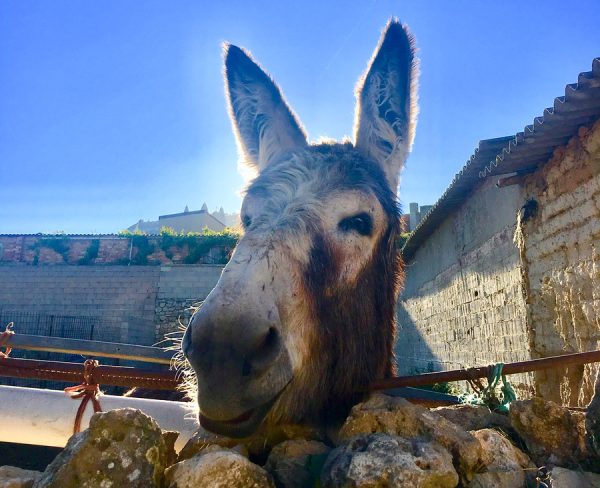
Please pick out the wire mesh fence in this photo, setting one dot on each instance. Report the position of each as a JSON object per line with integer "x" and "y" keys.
{"x": 54, "y": 325}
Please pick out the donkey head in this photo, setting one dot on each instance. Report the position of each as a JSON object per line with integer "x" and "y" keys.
{"x": 302, "y": 318}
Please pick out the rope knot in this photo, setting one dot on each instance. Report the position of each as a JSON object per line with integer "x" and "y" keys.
{"x": 486, "y": 394}
{"x": 4, "y": 337}
{"x": 88, "y": 391}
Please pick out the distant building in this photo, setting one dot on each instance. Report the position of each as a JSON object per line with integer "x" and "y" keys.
{"x": 186, "y": 221}
{"x": 229, "y": 219}
{"x": 414, "y": 217}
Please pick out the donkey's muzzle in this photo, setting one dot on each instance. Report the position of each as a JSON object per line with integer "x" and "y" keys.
{"x": 241, "y": 365}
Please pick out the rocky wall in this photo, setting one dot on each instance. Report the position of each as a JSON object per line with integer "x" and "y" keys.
{"x": 181, "y": 288}
{"x": 560, "y": 244}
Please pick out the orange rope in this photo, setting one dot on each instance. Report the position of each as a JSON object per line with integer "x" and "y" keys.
{"x": 8, "y": 332}
{"x": 88, "y": 390}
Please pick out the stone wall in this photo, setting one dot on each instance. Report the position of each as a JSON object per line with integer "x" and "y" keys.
{"x": 462, "y": 303}
{"x": 494, "y": 283}
{"x": 182, "y": 287}
{"x": 561, "y": 253}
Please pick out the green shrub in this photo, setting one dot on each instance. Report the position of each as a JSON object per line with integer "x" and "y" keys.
{"x": 198, "y": 244}
{"x": 144, "y": 249}
{"x": 91, "y": 253}
{"x": 59, "y": 245}
{"x": 402, "y": 239}
{"x": 57, "y": 242}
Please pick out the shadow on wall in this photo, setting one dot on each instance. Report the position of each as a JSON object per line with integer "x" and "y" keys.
{"x": 413, "y": 355}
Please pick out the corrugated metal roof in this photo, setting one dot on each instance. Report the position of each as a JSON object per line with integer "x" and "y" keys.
{"x": 580, "y": 106}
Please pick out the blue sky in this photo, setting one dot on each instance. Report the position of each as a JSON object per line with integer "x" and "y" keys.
{"x": 113, "y": 111}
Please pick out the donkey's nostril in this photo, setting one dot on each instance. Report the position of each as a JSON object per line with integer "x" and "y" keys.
{"x": 265, "y": 353}
{"x": 271, "y": 339}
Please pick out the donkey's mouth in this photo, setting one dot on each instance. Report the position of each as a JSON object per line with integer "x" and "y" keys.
{"x": 243, "y": 425}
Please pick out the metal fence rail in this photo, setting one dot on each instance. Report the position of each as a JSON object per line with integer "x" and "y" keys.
{"x": 57, "y": 326}
{"x": 129, "y": 352}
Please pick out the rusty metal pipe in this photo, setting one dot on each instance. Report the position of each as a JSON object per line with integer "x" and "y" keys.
{"x": 103, "y": 375}
{"x": 484, "y": 371}
{"x": 167, "y": 380}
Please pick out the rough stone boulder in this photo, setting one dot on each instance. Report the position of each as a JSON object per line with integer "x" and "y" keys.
{"x": 202, "y": 440}
{"x": 566, "y": 478}
{"x": 397, "y": 416}
{"x": 473, "y": 417}
{"x": 553, "y": 434}
{"x": 504, "y": 464}
{"x": 592, "y": 424}
{"x": 216, "y": 467}
{"x": 382, "y": 460}
{"x": 12, "y": 477}
{"x": 258, "y": 445}
{"x": 297, "y": 463}
{"x": 120, "y": 448}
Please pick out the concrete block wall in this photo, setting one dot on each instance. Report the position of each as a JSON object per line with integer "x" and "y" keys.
{"x": 122, "y": 297}
{"x": 132, "y": 304}
{"x": 561, "y": 251}
{"x": 463, "y": 303}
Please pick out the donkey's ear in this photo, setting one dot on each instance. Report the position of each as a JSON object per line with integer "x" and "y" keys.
{"x": 264, "y": 125}
{"x": 386, "y": 109}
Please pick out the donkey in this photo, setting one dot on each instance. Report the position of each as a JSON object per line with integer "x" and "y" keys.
{"x": 302, "y": 320}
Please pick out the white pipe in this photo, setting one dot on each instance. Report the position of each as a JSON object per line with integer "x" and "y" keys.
{"x": 45, "y": 417}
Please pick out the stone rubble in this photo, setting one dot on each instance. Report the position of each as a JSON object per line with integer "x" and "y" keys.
{"x": 397, "y": 416}
{"x": 217, "y": 467}
{"x": 473, "y": 417}
{"x": 567, "y": 478}
{"x": 120, "y": 448}
{"x": 12, "y": 477}
{"x": 293, "y": 463}
{"x": 505, "y": 465}
{"x": 385, "y": 442}
{"x": 257, "y": 446}
{"x": 592, "y": 423}
{"x": 552, "y": 433}
{"x": 379, "y": 460}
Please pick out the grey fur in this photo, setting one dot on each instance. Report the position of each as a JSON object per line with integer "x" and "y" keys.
{"x": 264, "y": 125}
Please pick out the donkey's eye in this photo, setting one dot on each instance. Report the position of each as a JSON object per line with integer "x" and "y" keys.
{"x": 246, "y": 221}
{"x": 361, "y": 223}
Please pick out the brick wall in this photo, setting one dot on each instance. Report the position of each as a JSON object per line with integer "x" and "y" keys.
{"x": 561, "y": 252}
{"x": 462, "y": 303}
{"x": 112, "y": 249}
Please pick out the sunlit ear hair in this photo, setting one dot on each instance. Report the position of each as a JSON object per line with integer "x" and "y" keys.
{"x": 386, "y": 110}
{"x": 265, "y": 127}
